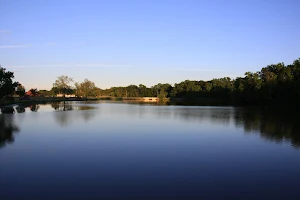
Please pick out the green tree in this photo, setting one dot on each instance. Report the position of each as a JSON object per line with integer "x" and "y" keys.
{"x": 275, "y": 84}
{"x": 45, "y": 93}
{"x": 142, "y": 90}
{"x": 54, "y": 91}
{"x": 20, "y": 90}
{"x": 166, "y": 87}
{"x": 295, "y": 70}
{"x": 186, "y": 89}
{"x": 7, "y": 85}
{"x": 86, "y": 89}
{"x": 132, "y": 91}
{"x": 63, "y": 84}
{"x": 162, "y": 94}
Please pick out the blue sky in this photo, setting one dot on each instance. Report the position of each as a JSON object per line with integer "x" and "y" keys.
{"x": 122, "y": 42}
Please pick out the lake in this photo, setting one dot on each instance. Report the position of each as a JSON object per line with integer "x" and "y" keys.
{"x": 111, "y": 150}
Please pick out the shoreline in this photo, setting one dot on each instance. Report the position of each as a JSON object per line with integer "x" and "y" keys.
{"x": 165, "y": 101}
{"x": 39, "y": 101}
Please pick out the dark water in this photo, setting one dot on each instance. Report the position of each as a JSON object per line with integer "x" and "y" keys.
{"x": 106, "y": 150}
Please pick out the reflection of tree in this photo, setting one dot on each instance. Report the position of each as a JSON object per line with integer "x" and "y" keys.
{"x": 62, "y": 118}
{"x": 34, "y": 107}
{"x": 20, "y": 109}
{"x": 65, "y": 118}
{"x": 7, "y": 110}
{"x": 55, "y": 105}
{"x": 7, "y": 129}
{"x": 272, "y": 126}
{"x": 86, "y": 114}
{"x": 61, "y": 106}
{"x": 216, "y": 116}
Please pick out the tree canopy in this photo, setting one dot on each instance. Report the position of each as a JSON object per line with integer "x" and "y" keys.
{"x": 7, "y": 85}
{"x": 275, "y": 84}
{"x": 20, "y": 90}
{"x": 63, "y": 84}
{"x": 86, "y": 89}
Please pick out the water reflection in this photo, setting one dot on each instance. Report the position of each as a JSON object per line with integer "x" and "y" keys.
{"x": 62, "y": 106}
{"x": 7, "y": 110}
{"x": 172, "y": 150}
{"x": 34, "y": 107}
{"x": 215, "y": 115}
{"x": 7, "y": 129}
{"x": 20, "y": 109}
{"x": 273, "y": 126}
{"x": 67, "y": 106}
{"x": 65, "y": 118}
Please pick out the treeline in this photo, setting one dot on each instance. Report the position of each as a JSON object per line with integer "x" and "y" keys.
{"x": 160, "y": 90}
{"x": 274, "y": 84}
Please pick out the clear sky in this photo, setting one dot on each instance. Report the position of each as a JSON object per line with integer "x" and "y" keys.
{"x": 122, "y": 42}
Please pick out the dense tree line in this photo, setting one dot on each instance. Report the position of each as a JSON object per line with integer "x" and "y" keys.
{"x": 163, "y": 90}
{"x": 274, "y": 84}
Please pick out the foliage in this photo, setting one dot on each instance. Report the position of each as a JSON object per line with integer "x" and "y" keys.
{"x": 54, "y": 91}
{"x": 7, "y": 85}
{"x": 62, "y": 84}
{"x": 162, "y": 94}
{"x": 33, "y": 92}
{"x": 45, "y": 93}
{"x": 275, "y": 84}
{"x": 20, "y": 90}
{"x": 86, "y": 89}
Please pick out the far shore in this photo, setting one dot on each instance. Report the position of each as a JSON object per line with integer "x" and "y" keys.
{"x": 42, "y": 100}
{"x": 154, "y": 100}
{"x": 140, "y": 100}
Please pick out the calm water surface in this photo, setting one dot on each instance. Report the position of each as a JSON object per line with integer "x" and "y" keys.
{"x": 116, "y": 150}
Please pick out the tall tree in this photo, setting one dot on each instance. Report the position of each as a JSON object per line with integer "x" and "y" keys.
{"x": 86, "y": 89}
{"x": 164, "y": 87}
{"x": 63, "y": 84}
{"x": 7, "y": 85}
